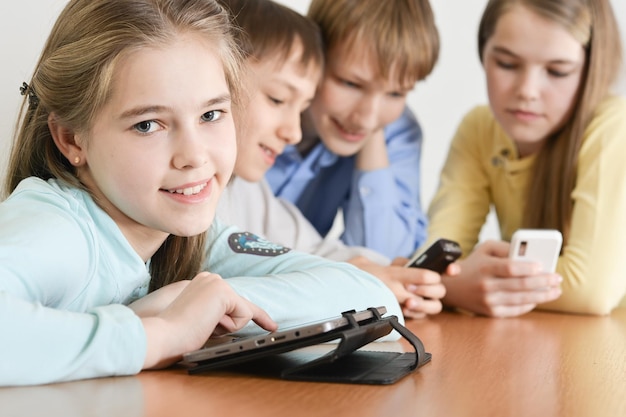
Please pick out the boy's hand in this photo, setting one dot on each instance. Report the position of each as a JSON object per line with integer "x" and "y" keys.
{"x": 419, "y": 291}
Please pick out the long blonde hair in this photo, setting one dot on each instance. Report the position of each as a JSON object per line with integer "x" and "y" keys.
{"x": 593, "y": 24}
{"x": 73, "y": 78}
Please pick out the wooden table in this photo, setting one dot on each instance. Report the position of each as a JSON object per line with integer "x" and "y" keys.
{"x": 540, "y": 364}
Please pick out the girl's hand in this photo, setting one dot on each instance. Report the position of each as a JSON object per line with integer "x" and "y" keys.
{"x": 491, "y": 284}
{"x": 207, "y": 305}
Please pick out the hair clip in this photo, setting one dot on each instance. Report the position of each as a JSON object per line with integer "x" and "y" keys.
{"x": 33, "y": 100}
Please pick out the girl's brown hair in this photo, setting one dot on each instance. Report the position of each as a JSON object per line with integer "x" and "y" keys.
{"x": 593, "y": 24}
{"x": 73, "y": 80}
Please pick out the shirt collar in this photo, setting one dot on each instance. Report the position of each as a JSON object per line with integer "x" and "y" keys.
{"x": 319, "y": 157}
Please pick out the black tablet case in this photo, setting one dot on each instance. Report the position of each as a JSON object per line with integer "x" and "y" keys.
{"x": 344, "y": 364}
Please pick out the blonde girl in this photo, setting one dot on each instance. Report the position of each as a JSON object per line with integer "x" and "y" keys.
{"x": 124, "y": 147}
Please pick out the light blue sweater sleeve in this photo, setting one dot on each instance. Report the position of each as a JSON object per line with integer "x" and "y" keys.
{"x": 42, "y": 344}
{"x": 384, "y": 210}
{"x": 62, "y": 290}
{"x": 293, "y": 287}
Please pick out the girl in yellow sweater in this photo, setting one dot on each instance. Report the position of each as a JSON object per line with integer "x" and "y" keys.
{"x": 546, "y": 153}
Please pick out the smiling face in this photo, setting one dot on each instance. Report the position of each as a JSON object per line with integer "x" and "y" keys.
{"x": 533, "y": 68}
{"x": 281, "y": 92}
{"x": 353, "y": 101}
{"x": 162, "y": 148}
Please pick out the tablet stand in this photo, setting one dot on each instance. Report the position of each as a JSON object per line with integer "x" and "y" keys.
{"x": 349, "y": 365}
{"x": 345, "y": 363}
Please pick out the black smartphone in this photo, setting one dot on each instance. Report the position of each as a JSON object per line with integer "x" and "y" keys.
{"x": 437, "y": 257}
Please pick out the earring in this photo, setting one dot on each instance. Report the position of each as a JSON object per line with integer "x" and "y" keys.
{"x": 77, "y": 160}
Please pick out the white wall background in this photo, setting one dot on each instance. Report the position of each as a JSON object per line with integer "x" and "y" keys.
{"x": 454, "y": 87}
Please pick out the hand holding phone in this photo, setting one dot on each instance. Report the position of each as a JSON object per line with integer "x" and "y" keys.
{"x": 537, "y": 245}
{"x": 437, "y": 257}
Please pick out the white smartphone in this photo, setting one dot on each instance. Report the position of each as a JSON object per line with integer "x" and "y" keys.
{"x": 537, "y": 245}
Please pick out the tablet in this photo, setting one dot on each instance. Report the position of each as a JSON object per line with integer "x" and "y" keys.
{"x": 229, "y": 349}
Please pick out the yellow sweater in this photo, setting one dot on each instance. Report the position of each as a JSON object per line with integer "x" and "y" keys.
{"x": 483, "y": 169}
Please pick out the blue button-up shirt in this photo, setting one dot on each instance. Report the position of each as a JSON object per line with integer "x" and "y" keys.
{"x": 381, "y": 208}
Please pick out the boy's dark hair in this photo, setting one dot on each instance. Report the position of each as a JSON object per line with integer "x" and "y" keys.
{"x": 269, "y": 28}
